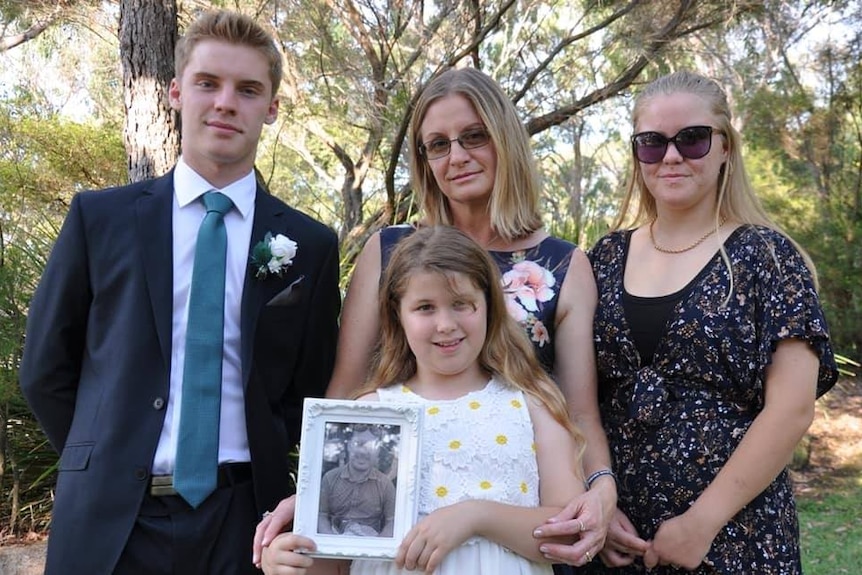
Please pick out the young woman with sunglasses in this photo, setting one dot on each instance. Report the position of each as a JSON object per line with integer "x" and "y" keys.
{"x": 472, "y": 168}
{"x": 711, "y": 348}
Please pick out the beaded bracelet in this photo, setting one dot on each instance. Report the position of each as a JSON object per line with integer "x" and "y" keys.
{"x": 591, "y": 479}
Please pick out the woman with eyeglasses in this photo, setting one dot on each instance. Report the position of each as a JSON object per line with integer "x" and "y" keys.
{"x": 472, "y": 168}
{"x": 711, "y": 348}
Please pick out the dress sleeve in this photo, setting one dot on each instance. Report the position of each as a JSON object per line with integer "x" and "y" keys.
{"x": 791, "y": 308}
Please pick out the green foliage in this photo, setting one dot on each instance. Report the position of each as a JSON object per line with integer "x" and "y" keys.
{"x": 44, "y": 159}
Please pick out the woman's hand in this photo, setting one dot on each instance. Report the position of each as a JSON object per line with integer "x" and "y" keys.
{"x": 682, "y": 541}
{"x": 282, "y": 556}
{"x": 588, "y": 516}
{"x": 271, "y": 525}
{"x": 623, "y": 543}
{"x": 576, "y": 519}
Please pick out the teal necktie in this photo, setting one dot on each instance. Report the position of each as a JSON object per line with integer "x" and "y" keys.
{"x": 196, "y": 469}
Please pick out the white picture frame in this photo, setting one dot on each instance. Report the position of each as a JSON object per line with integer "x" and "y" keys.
{"x": 325, "y": 423}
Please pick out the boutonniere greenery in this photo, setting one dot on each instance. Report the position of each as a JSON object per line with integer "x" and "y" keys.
{"x": 273, "y": 255}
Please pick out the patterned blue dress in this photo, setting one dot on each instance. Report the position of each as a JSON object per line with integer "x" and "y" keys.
{"x": 674, "y": 423}
{"x": 531, "y": 283}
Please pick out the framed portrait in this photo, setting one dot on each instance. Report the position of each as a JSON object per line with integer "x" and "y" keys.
{"x": 357, "y": 486}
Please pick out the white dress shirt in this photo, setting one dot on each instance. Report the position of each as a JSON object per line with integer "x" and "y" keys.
{"x": 188, "y": 213}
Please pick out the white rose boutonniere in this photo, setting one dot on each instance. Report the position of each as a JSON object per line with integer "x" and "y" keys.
{"x": 273, "y": 255}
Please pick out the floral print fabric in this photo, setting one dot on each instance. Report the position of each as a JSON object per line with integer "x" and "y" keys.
{"x": 673, "y": 424}
{"x": 531, "y": 283}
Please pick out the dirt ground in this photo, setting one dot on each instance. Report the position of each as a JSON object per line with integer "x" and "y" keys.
{"x": 833, "y": 452}
{"x": 834, "y": 442}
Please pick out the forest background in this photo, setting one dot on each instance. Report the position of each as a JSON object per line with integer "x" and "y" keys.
{"x": 83, "y": 105}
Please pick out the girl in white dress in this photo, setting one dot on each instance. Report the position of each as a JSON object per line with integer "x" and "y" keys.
{"x": 499, "y": 453}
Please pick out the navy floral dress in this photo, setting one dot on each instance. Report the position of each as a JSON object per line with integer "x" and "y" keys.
{"x": 531, "y": 283}
{"x": 674, "y": 423}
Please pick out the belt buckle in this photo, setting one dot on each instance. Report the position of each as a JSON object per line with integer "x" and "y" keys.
{"x": 162, "y": 486}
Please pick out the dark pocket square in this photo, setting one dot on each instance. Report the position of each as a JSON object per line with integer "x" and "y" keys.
{"x": 289, "y": 295}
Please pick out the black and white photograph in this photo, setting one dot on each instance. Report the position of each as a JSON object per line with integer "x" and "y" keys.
{"x": 357, "y": 487}
{"x": 357, "y": 481}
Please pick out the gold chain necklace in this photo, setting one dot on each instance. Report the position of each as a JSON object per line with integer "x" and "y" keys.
{"x": 697, "y": 242}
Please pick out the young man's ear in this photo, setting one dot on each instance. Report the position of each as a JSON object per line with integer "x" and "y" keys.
{"x": 272, "y": 113}
{"x": 174, "y": 95}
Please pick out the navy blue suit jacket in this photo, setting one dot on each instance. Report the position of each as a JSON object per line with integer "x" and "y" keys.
{"x": 96, "y": 363}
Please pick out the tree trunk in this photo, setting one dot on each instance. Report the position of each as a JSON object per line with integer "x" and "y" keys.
{"x": 148, "y": 35}
{"x": 4, "y": 445}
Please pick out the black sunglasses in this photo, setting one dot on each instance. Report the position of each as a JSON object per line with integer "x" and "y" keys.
{"x": 693, "y": 142}
{"x": 440, "y": 147}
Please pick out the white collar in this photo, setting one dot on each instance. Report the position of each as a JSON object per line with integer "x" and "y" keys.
{"x": 189, "y": 186}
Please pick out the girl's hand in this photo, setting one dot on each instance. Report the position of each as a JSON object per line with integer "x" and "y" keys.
{"x": 680, "y": 542}
{"x": 623, "y": 543}
{"x": 430, "y": 540}
{"x": 280, "y": 557}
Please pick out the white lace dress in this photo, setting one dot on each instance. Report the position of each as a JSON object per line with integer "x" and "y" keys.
{"x": 479, "y": 446}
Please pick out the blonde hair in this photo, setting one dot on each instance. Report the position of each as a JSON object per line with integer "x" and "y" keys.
{"x": 506, "y": 353}
{"x": 736, "y": 199}
{"x": 514, "y": 206}
{"x": 234, "y": 28}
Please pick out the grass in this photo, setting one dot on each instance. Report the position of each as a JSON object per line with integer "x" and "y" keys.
{"x": 831, "y": 531}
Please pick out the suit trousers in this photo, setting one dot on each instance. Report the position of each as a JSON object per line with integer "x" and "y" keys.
{"x": 172, "y": 538}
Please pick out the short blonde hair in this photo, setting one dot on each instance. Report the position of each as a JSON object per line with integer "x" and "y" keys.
{"x": 514, "y": 207}
{"x": 234, "y": 28}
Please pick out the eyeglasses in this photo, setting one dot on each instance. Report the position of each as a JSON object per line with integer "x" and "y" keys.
{"x": 440, "y": 147}
{"x": 693, "y": 142}
{"x": 370, "y": 444}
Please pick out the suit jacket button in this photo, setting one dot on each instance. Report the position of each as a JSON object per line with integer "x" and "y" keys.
{"x": 141, "y": 473}
{"x": 158, "y": 403}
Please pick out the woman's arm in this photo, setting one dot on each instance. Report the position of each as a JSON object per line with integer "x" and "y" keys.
{"x": 575, "y": 371}
{"x": 360, "y": 324}
{"x": 790, "y": 390}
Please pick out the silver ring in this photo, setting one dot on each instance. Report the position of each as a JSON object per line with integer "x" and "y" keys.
{"x": 266, "y": 514}
{"x": 588, "y": 556}
{"x": 581, "y": 526}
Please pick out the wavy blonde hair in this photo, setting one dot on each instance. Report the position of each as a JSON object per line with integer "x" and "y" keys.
{"x": 514, "y": 206}
{"x": 507, "y": 354}
{"x": 736, "y": 199}
{"x": 234, "y": 28}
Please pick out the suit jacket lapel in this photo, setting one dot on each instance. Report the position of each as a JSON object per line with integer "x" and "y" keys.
{"x": 268, "y": 214}
{"x": 155, "y": 235}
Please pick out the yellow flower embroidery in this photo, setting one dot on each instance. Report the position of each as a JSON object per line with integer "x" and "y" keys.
{"x": 502, "y": 440}
{"x": 523, "y": 487}
{"x": 475, "y": 405}
{"x": 433, "y": 410}
{"x": 485, "y": 485}
{"x": 516, "y": 404}
{"x": 405, "y": 389}
{"x": 454, "y": 444}
{"x": 533, "y": 447}
{"x": 441, "y": 491}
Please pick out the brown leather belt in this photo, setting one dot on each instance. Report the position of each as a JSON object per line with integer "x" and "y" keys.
{"x": 229, "y": 474}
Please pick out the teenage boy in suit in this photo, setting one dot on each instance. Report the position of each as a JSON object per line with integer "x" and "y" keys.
{"x": 103, "y": 365}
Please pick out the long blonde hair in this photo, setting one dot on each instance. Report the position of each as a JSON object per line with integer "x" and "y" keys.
{"x": 507, "y": 354}
{"x": 736, "y": 199}
{"x": 514, "y": 206}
